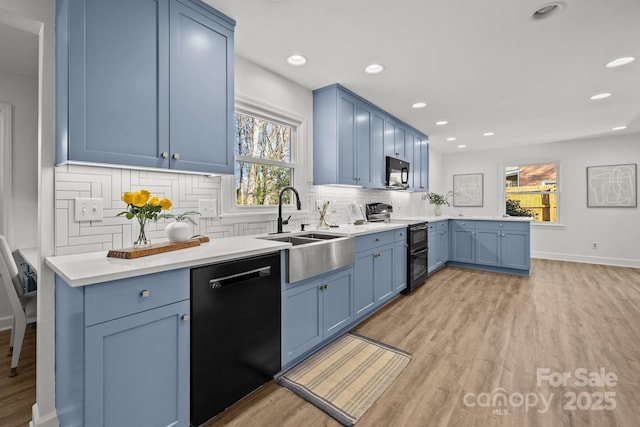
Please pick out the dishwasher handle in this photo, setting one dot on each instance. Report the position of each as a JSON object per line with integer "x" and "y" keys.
{"x": 262, "y": 271}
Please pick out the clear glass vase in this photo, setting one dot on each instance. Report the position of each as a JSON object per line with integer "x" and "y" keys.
{"x": 142, "y": 241}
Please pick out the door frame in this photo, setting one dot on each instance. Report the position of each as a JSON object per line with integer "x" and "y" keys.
{"x": 6, "y": 141}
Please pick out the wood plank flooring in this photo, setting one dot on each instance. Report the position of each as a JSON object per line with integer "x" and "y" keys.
{"x": 469, "y": 332}
{"x": 17, "y": 394}
{"x": 477, "y": 335}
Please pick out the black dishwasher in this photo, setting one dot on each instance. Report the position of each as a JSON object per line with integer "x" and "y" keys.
{"x": 235, "y": 331}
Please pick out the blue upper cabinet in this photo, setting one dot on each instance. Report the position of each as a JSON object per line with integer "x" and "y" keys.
{"x": 144, "y": 83}
{"x": 201, "y": 90}
{"x": 351, "y": 138}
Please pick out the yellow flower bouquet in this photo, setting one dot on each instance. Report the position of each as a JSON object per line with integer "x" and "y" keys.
{"x": 142, "y": 206}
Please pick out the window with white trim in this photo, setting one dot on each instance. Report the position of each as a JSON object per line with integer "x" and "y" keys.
{"x": 268, "y": 155}
{"x": 532, "y": 190}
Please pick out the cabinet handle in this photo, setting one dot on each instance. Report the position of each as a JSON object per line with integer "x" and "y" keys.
{"x": 502, "y": 234}
{"x": 473, "y": 233}
{"x": 164, "y": 154}
{"x": 176, "y": 156}
{"x": 377, "y": 239}
{"x": 186, "y": 317}
{"x": 397, "y": 154}
{"x": 145, "y": 294}
{"x": 401, "y": 234}
{"x": 500, "y": 225}
{"x": 323, "y": 287}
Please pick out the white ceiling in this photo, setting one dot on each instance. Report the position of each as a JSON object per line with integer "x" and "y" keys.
{"x": 18, "y": 52}
{"x": 481, "y": 65}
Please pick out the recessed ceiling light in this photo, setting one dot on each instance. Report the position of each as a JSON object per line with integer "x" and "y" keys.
{"x": 488, "y": 134}
{"x": 296, "y": 60}
{"x": 600, "y": 96}
{"x": 546, "y": 11}
{"x": 462, "y": 146}
{"x": 451, "y": 139}
{"x": 619, "y": 128}
{"x": 419, "y": 105}
{"x": 374, "y": 69}
{"x": 442, "y": 122}
{"x": 619, "y": 62}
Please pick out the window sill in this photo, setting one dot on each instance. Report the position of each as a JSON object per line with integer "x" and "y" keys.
{"x": 261, "y": 216}
{"x": 550, "y": 226}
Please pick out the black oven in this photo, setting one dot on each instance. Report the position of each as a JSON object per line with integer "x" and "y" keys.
{"x": 417, "y": 252}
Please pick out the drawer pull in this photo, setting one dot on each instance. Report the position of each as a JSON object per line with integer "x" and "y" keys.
{"x": 186, "y": 317}
{"x": 377, "y": 239}
{"x": 145, "y": 294}
{"x": 164, "y": 155}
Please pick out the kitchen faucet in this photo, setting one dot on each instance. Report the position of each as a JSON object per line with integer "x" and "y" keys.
{"x": 280, "y": 221}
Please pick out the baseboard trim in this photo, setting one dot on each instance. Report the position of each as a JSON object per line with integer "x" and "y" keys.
{"x": 618, "y": 262}
{"x": 49, "y": 420}
{"x": 6, "y": 323}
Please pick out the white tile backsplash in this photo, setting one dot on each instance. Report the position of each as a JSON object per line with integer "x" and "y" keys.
{"x": 184, "y": 190}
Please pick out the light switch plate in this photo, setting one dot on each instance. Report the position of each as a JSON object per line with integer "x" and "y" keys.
{"x": 207, "y": 208}
{"x": 88, "y": 210}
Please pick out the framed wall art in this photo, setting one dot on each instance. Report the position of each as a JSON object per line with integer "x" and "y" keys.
{"x": 612, "y": 186}
{"x": 467, "y": 190}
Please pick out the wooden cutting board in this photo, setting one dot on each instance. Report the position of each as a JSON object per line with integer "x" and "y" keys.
{"x": 156, "y": 248}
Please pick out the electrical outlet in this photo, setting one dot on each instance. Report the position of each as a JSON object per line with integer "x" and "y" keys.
{"x": 594, "y": 245}
{"x": 88, "y": 210}
{"x": 207, "y": 208}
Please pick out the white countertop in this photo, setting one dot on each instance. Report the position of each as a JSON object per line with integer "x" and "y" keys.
{"x": 95, "y": 267}
{"x": 467, "y": 217}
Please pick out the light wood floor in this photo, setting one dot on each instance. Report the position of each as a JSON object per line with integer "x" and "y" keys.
{"x": 17, "y": 394}
{"x": 474, "y": 332}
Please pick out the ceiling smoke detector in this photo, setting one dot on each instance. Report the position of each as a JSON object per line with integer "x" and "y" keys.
{"x": 546, "y": 11}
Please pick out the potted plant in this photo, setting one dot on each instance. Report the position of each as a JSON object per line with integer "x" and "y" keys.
{"x": 179, "y": 230}
{"x": 438, "y": 200}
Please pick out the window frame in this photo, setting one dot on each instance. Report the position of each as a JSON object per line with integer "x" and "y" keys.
{"x": 502, "y": 201}
{"x": 255, "y": 108}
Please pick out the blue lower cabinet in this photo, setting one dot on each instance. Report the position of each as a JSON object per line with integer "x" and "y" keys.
{"x": 503, "y": 244}
{"x": 314, "y": 310}
{"x": 399, "y": 267}
{"x": 463, "y": 241}
{"x": 137, "y": 369}
{"x": 123, "y": 351}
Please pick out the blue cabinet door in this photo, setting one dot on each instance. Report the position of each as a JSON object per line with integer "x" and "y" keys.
{"x": 378, "y": 163}
{"x": 346, "y": 138}
{"x": 137, "y": 369}
{"x": 390, "y": 137}
{"x": 463, "y": 245}
{"x": 118, "y": 83}
{"x": 301, "y": 319}
{"x": 516, "y": 248}
{"x": 424, "y": 165}
{"x": 201, "y": 90}
{"x": 364, "y": 119}
{"x": 399, "y": 149}
{"x": 383, "y": 273}
{"x": 364, "y": 298}
{"x": 434, "y": 248}
{"x": 337, "y": 307}
{"x": 488, "y": 244}
{"x": 443, "y": 243}
{"x": 399, "y": 267}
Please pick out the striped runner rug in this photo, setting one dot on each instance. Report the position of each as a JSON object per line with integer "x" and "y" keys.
{"x": 345, "y": 378}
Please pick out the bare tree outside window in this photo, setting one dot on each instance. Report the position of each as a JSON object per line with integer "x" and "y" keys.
{"x": 263, "y": 162}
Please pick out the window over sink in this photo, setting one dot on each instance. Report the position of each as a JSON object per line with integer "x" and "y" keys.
{"x": 268, "y": 155}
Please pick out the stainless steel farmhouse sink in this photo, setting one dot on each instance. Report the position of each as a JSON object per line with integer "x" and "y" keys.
{"x": 315, "y": 253}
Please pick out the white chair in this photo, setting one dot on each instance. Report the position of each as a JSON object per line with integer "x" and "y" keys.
{"x": 23, "y": 304}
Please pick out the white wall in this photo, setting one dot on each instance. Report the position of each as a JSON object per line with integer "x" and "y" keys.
{"x": 22, "y": 93}
{"x": 617, "y": 230}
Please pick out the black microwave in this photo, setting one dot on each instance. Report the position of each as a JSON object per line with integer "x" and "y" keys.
{"x": 397, "y": 175}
